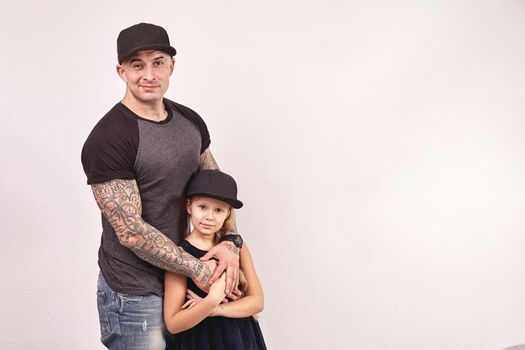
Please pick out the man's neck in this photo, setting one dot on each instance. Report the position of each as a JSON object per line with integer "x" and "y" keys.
{"x": 152, "y": 111}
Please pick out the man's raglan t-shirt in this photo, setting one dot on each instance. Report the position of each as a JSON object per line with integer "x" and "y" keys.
{"x": 161, "y": 157}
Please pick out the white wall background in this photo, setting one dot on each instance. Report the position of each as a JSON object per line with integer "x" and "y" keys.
{"x": 378, "y": 146}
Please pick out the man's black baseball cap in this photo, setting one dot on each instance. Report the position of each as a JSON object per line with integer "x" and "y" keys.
{"x": 143, "y": 36}
{"x": 215, "y": 184}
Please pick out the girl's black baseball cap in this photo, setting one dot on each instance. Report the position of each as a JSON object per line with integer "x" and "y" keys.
{"x": 215, "y": 184}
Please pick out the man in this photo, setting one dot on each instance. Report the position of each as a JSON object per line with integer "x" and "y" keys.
{"x": 138, "y": 160}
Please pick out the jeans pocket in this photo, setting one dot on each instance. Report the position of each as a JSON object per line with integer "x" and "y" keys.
{"x": 103, "y": 314}
{"x": 130, "y": 298}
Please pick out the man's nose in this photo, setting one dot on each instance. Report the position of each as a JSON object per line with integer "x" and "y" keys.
{"x": 148, "y": 73}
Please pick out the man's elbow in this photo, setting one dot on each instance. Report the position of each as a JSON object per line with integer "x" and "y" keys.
{"x": 129, "y": 239}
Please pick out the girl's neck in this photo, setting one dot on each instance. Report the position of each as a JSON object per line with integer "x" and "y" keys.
{"x": 197, "y": 239}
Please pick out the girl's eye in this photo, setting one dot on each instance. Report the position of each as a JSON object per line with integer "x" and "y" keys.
{"x": 202, "y": 206}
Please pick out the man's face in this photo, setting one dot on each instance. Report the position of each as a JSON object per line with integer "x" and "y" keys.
{"x": 147, "y": 75}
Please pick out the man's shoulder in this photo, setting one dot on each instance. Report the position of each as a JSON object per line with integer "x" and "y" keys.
{"x": 193, "y": 117}
{"x": 112, "y": 144}
{"x": 115, "y": 120}
{"x": 115, "y": 126}
{"x": 184, "y": 110}
{"x": 117, "y": 114}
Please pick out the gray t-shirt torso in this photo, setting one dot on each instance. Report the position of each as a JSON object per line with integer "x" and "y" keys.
{"x": 161, "y": 157}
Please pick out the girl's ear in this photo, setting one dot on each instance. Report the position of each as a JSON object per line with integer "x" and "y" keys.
{"x": 188, "y": 206}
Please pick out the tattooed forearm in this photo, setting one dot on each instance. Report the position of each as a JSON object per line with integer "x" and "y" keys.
{"x": 207, "y": 161}
{"x": 154, "y": 247}
{"x": 119, "y": 201}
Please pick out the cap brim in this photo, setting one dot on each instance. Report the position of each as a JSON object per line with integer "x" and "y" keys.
{"x": 164, "y": 48}
{"x": 237, "y": 204}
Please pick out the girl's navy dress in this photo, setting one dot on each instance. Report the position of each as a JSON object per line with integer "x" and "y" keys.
{"x": 216, "y": 333}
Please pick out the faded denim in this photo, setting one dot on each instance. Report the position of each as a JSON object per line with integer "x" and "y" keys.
{"x": 129, "y": 322}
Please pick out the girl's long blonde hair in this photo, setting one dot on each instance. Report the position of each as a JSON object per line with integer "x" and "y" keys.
{"x": 228, "y": 226}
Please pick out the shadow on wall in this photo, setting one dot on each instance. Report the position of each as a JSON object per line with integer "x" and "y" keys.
{"x": 516, "y": 347}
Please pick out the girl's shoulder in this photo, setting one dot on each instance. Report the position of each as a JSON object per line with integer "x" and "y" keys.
{"x": 191, "y": 249}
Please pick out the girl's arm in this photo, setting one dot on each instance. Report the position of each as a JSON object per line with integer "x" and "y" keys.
{"x": 253, "y": 301}
{"x": 178, "y": 319}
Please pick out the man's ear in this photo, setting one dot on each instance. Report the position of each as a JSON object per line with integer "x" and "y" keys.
{"x": 120, "y": 72}
{"x": 172, "y": 66}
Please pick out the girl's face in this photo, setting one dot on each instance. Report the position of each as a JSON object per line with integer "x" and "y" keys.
{"x": 207, "y": 214}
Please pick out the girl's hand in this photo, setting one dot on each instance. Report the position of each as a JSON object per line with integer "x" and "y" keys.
{"x": 217, "y": 289}
{"x": 192, "y": 300}
{"x": 191, "y": 303}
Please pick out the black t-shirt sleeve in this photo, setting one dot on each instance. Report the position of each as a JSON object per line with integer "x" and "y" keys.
{"x": 111, "y": 148}
{"x": 196, "y": 119}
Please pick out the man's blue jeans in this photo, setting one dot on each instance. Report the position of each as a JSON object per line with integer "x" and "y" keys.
{"x": 129, "y": 322}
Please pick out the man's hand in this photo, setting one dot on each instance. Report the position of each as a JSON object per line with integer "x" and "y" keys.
{"x": 203, "y": 281}
{"x": 228, "y": 255}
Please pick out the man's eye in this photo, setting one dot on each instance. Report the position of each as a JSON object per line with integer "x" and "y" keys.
{"x": 136, "y": 66}
{"x": 159, "y": 63}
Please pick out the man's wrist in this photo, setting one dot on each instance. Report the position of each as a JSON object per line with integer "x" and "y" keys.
{"x": 205, "y": 273}
{"x": 234, "y": 238}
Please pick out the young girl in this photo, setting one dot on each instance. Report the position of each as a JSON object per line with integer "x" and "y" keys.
{"x": 203, "y": 322}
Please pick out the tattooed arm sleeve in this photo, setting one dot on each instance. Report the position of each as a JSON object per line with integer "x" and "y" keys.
{"x": 207, "y": 161}
{"x": 119, "y": 200}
